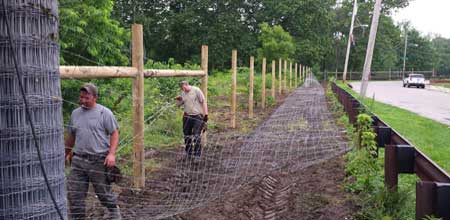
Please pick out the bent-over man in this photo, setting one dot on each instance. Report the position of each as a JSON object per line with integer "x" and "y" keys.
{"x": 195, "y": 117}
{"x": 93, "y": 135}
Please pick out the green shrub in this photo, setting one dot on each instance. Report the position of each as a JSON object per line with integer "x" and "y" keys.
{"x": 366, "y": 179}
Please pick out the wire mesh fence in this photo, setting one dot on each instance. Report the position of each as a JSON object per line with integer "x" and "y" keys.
{"x": 34, "y": 31}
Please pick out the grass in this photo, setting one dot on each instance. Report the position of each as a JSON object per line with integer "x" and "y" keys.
{"x": 366, "y": 179}
{"x": 431, "y": 137}
{"x": 446, "y": 85}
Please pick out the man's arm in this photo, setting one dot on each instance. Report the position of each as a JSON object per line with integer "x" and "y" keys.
{"x": 110, "y": 160}
{"x": 69, "y": 142}
{"x": 205, "y": 105}
{"x": 179, "y": 101}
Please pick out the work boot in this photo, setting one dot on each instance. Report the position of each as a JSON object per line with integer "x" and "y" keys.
{"x": 113, "y": 214}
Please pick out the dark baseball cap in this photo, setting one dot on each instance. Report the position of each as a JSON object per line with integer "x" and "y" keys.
{"x": 89, "y": 88}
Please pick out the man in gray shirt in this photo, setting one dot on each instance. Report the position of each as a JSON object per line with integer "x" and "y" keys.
{"x": 195, "y": 117}
{"x": 93, "y": 137}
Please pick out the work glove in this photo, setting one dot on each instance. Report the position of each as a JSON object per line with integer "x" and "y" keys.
{"x": 113, "y": 174}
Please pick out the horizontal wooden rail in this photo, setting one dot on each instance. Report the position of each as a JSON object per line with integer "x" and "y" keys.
{"x": 173, "y": 73}
{"x": 91, "y": 72}
{"x": 402, "y": 157}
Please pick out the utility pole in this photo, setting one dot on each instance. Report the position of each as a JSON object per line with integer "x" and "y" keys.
{"x": 404, "y": 52}
{"x": 350, "y": 37}
{"x": 370, "y": 46}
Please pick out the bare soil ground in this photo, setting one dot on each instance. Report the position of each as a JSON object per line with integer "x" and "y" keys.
{"x": 312, "y": 193}
{"x": 315, "y": 192}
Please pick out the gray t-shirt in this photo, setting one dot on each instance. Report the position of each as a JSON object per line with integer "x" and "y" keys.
{"x": 92, "y": 129}
{"x": 193, "y": 101}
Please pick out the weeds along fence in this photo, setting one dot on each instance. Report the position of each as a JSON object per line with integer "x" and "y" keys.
{"x": 401, "y": 157}
{"x": 138, "y": 74}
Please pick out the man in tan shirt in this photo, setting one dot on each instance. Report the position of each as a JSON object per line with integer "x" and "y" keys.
{"x": 195, "y": 117}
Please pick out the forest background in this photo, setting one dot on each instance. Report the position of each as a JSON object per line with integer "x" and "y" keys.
{"x": 310, "y": 32}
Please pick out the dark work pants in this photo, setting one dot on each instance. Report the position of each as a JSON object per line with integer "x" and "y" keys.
{"x": 82, "y": 172}
{"x": 192, "y": 129}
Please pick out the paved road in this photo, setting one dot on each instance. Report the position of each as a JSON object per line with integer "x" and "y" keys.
{"x": 428, "y": 103}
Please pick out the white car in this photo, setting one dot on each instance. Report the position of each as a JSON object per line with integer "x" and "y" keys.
{"x": 417, "y": 80}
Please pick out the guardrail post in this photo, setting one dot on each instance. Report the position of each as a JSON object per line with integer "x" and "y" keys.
{"x": 443, "y": 200}
{"x": 398, "y": 159}
{"x": 383, "y": 135}
{"x": 424, "y": 199}
{"x": 390, "y": 167}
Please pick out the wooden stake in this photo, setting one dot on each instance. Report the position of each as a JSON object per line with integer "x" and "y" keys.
{"x": 304, "y": 73}
{"x": 300, "y": 73}
{"x": 280, "y": 80}
{"x": 263, "y": 86}
{"x": 285, "y": 76}
{"x": 205, "y": 71}
{"x": 205, "y": 84}
{"x": 138, "y": 106}
{"x": 250, "y": 91}
{"x": 233, "y": 87}
{"x": 273, "y": 78}
{"x": 290, "y": 75}
{"x": 296, "y": 74}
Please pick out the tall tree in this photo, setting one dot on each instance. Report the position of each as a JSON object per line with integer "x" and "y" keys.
{"x": 310, "y": 23}
{"x": 276, "y": 43}
{"x": 89, "y": 36}
{"x": 442, "y": 60}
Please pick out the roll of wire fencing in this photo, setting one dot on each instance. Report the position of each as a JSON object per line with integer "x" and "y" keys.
{"x": 31, "y": 126}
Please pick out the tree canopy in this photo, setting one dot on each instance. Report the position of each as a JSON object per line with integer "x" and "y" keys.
{"x": 308, "y": 31}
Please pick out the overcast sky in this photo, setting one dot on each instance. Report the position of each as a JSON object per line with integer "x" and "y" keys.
{"x": 427, "y": 16}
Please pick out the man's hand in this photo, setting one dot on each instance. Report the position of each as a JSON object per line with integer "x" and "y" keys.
{"x": 178, "y": 98}
{"x": 68, "y": 157}
{"x": 110, "y": 160}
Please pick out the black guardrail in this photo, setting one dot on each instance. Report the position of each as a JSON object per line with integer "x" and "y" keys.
{"x": 401, "y": 157}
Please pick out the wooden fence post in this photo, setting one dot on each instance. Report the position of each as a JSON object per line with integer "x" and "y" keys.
{"x": 273, "y": 78}
{"x": 280, "y": 80}
{"x": 250, "y": 92}
{"x": 285, "y": 76}
{"x": 138, "y": 106}
{"x": 290, "y": 75}
{"x": 205, "y": 69}
{"x": 300, "y": 74}
{"x": 263, "y": 86}
{"x": 296, "y": 75}
{"x": 304, "y": 72}
{"x": 233, "y": 87}
{"x": 205, "y": 84}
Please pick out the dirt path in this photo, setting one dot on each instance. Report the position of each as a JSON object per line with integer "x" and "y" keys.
{"x": 289, "y": 167}
{"x": 315, "y": 192}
